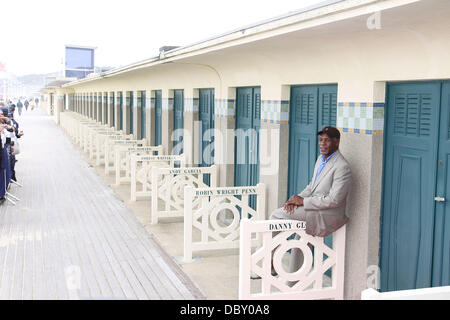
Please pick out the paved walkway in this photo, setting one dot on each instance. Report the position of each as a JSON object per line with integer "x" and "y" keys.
{"x": 70, "y": 236}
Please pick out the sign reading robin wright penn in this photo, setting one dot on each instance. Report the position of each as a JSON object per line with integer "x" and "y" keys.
{"x": 226, "y": 192}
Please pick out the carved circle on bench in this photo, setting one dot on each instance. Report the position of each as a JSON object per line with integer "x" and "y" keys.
{"x": 216, "y": 210}
{"x": 282, "y": 249}
{"x": 179, "y": 182}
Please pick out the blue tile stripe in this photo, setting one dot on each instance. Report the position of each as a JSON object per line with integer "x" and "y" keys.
{"x": 361, "y": 117}
{"x": 275, "y": 111}
{"x": 224, "y": 108}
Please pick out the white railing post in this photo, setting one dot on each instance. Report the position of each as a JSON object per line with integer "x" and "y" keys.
{"x": 154, "y": 182}
{"x": 261, "y": 202}
{"x": 339, "y": 267}
{"x": 107, "y": 151}
{"x": 117, "y": 152}
{"x": 213, "y": 176}
{"x": 133, "y": 163}
{"x": 245, "y": 250}
{"x": 188, "y": 199}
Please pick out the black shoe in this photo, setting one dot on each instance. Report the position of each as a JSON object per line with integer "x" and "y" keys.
{"x": 2, "y": 199}
{"x": 254, "y": 276}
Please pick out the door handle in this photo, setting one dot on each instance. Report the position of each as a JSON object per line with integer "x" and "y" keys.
{"x": 439, "y": 199}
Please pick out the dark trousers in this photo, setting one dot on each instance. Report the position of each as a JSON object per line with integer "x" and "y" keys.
{"x": 12, "y": 161}
{"x": 13, "y": 164}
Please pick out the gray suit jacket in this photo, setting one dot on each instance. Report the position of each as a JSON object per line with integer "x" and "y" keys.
{"x": 325, "y": 198}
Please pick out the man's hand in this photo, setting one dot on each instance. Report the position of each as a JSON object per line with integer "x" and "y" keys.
{"x": 293, "y": 202}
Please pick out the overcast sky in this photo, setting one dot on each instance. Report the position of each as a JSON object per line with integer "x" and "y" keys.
{"x": 33, "y": 33}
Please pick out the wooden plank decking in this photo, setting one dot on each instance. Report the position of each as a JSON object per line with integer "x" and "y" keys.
{"x": 70, "y": 236}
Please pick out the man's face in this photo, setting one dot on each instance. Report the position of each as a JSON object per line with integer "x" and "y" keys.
{"x": 327, "y": 145}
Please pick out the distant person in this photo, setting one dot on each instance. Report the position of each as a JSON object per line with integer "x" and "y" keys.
{"x": 36, "y": 101}
{"x": 4, "y": 159}
{"x": 12, "y": 108}
{"x": 32, "y": 104}
{"x": 19, "y": 107}
{"x": 13, "y": 136}
{"x": 26, "y": 104}
{"x": 4, "y": 109}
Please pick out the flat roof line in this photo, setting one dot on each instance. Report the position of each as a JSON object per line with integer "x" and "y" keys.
{"x": 138, "y": 64}
{"x": 285, "y": 15}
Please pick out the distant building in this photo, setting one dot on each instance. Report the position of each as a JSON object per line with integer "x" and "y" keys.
{"x": 78, "y": 61}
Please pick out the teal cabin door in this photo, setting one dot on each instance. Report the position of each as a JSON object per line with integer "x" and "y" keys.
{"x": 113, "y": 114}
{"x": 311, "y": 109}
{"x": 248, "y": 123}
{"x": 206, "y": 118}
{"x": 178, "y": 121}
{"x": 120, "y": 97}
{"x": 142, "y": 109}
{"x": 158, "y": 117}
{"x": 415, "y": 241}
{"x": 441, "y": 249}
{"x": 130, "y": 104}
{"x": 106, "y": 107}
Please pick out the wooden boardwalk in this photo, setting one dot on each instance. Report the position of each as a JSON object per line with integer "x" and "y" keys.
{"x": 70, "y": 236}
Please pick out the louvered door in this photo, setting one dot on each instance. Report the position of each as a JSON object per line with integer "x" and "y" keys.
{"x": 158, "y": 117}
{"x": 178, "y": 121}
{"x": 206, "y": 117}
{"x": 409, "y": 185}
{"x": 130, "y": 106}
{"x": 105, "y": 106}
{"x": 244, "y": 97}
{"x": 120, "y": 102}
{"x": 311, "y": 108}
{"x": 113, "y": 114}
{"x": 248, "y": 123}
{"x": 254, "y": 147}
{"x": 142, "y": 109}
{"x": 441, "y": 250}
{"x": 327, "y": 108}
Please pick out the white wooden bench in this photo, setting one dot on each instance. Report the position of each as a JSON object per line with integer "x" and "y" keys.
{"x": 86, "y": 132}
{"x": 123, "y": 157}
{"x": 203, "y": 206}
{"x": 304, "y": 284}
{"x": 141, "y": 167}
{"x": 168, "y": 188}
{"x": 101, "y": 145}
{"x": 93, "y": 135}
{"x": 110, "y": 146}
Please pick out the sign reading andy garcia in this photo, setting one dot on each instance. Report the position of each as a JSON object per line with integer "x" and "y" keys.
{"x": 185, "y": 171}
